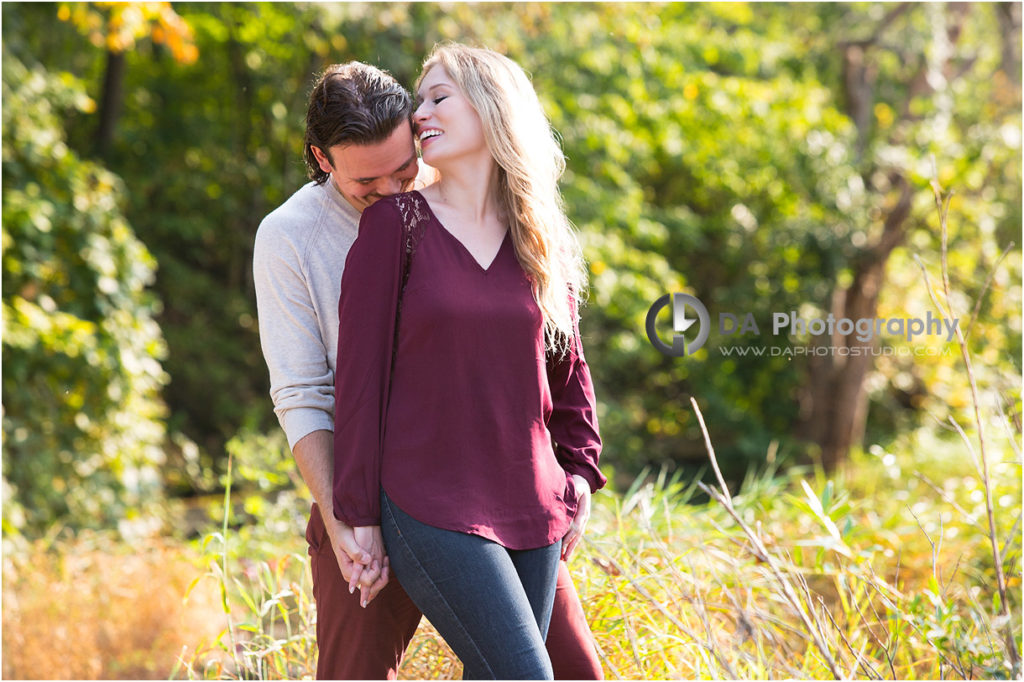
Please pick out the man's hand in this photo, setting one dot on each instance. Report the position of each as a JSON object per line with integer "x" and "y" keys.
{"x": 361, "y": 557}
{"x": 349, "y": 553}
{"x": 354, "y": 552}
{"x": 370, "y": 578}
{"x": 579, "y": 522}
{"x": 356, "y": 561}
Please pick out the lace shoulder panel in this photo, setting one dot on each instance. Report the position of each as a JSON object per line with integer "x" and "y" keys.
{"x": 414, "y": 213}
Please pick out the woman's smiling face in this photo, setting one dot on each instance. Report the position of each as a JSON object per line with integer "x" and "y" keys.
{"x": 446, "y": 124}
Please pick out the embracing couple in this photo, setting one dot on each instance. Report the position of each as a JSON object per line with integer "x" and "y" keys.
{"x": 420, "y": 324}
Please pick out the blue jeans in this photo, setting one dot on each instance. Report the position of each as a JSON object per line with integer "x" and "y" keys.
{"x": 491, "y": 604}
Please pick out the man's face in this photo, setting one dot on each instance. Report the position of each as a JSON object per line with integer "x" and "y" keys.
{"x": 364, "y": 173}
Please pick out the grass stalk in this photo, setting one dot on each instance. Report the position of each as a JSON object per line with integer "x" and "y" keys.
{"x": 942, "y": 204}
{"x": 708, "y": 646}
{"x": 775, "y": 570}
{"x": 224, "y": 561}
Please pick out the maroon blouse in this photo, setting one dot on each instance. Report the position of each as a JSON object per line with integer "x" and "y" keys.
{"x": 479, "y": 431}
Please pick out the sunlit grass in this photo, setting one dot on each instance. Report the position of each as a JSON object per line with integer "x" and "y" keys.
{"x": 898, "y": 585}
{"x": 99, "y": 608}
{"x": 888, "y": 557}
{"x": 887, "y": 561}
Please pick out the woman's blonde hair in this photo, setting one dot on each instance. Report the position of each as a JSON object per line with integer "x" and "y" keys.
{"x": 530, "y": 162}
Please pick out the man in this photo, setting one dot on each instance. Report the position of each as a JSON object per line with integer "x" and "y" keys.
{"x": 358, "y": 148}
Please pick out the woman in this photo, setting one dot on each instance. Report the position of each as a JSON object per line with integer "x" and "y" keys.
{"x": 469, "y": 456}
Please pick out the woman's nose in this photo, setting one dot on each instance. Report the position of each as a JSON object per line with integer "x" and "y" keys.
{"x": 419, "y": 115}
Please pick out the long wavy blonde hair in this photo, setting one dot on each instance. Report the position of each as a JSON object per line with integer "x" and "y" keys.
{"x": 530, "y": 162}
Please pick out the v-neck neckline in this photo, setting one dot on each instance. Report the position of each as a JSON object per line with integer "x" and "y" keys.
{"x": 485, "y": 269}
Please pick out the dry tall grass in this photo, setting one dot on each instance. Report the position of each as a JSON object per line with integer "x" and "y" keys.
{"x": 887, "y": 571}
{"x": 891, "y": 568}
{"x": 95, "y": 608}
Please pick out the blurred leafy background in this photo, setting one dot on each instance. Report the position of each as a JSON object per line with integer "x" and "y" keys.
{"x": 763, "y": 157}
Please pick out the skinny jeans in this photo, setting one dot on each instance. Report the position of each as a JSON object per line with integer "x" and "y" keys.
{"x": 491, "y": 604}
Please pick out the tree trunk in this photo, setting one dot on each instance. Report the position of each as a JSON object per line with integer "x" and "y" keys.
{"x": 834, "y": 403}
{"x": 110, "y": 103}
{"x": 1009, "y": 22}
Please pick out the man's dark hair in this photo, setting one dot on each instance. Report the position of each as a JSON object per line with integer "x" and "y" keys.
{"x": 352, "y": 103}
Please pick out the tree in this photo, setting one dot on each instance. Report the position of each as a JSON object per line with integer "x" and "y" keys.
{"x": 116, "y": 27}
{"x": 904, "y": 84}
{"x": 750, "y": 154}
{"x": 82, "y": 415}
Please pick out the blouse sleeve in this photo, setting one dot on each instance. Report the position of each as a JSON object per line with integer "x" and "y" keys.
{"x": 573, "y": 421}
{"x": 366, "y": 334}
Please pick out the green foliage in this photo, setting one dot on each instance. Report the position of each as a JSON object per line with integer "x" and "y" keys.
{"x": 83, "y": 419}
{"x": 711, "y": 149}
{"x": 706, "y": 177}
{"x": 270, "y": 500}
{"x": 226, "y": 133}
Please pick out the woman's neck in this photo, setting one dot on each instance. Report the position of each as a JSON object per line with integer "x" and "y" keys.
{"x": 471, "y": 191}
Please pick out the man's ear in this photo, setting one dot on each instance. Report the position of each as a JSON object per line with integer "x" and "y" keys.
{"x": 323, "y": 159}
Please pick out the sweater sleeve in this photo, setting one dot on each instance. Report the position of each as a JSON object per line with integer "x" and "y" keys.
{"x": 366, "y": 334}
{"x": 573, "y": 422}
{"x": 301, "y": 382}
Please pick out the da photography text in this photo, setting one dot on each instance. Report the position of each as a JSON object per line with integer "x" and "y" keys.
{"x": 691, "y": 324}
{"x": 864, "y": 329}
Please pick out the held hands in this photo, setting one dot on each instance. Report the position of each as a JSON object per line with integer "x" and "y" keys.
{"x": 579, "y": 522}
{"x": 371, "y": 578}
{"x": 361, "y": 557}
